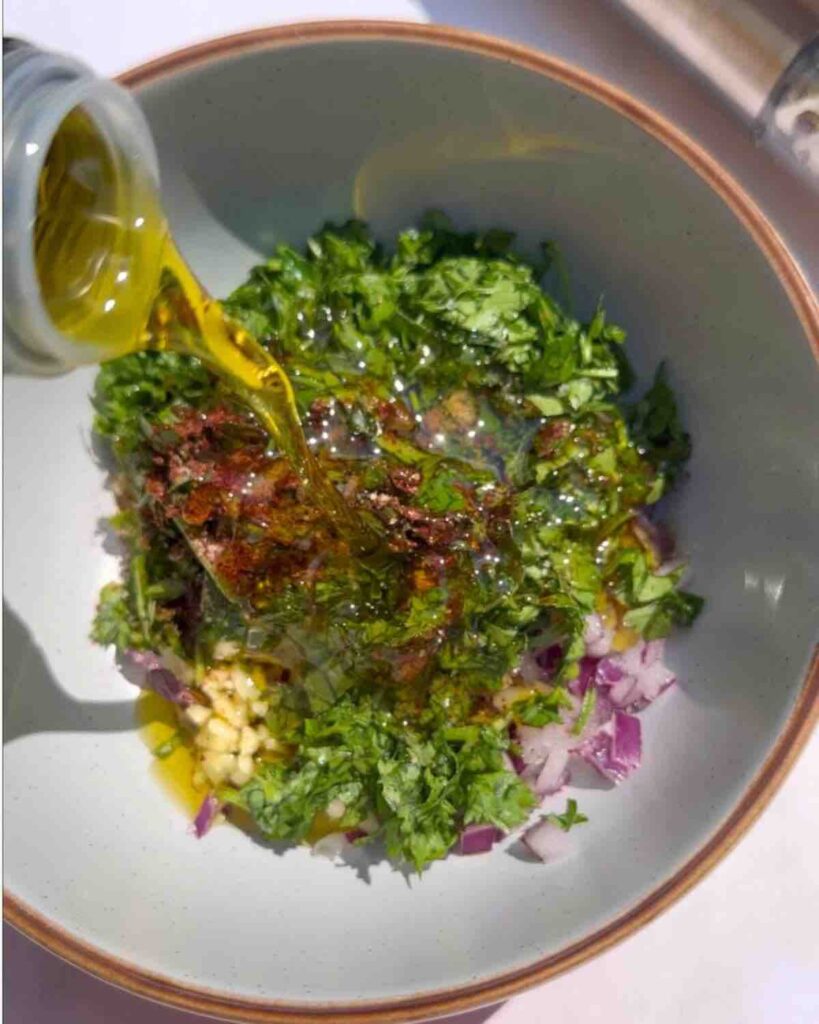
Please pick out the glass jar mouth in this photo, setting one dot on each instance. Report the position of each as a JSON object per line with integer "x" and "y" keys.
{"x": 41, "y": 98}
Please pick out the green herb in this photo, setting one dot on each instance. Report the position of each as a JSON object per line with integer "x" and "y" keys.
{"x": 569, "y": 818}
{"x": 541, "y": 708}
{"x": 655, "y": 603}
{"x": 116, "y": 621}
{"x": 169, "y": 746}
{"x": 478, "y": 428}
{"x": 423, "y": 786}
{"x": 146, "y": 389}
{"x": 655, "y": 425}
{"x": 586, "y": 709}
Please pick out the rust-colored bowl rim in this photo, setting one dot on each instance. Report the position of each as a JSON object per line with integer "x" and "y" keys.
{"x": 793, "y": 736}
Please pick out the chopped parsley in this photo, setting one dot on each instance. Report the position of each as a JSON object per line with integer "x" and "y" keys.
{"x": 570, "y": 817}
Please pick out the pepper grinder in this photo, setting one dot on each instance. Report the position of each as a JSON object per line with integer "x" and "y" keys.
{"x": 762, "y": 56}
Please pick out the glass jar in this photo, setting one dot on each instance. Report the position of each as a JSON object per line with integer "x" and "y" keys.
{"x": 79, "y": 282}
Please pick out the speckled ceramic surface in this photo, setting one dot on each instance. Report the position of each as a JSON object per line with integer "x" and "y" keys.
{"x": 262, "y": 143}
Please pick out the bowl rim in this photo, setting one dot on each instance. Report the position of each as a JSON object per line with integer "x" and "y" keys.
{"x": 793, "y": 734}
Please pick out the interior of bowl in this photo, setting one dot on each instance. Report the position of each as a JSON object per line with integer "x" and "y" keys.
{"x": 264, "y": 146}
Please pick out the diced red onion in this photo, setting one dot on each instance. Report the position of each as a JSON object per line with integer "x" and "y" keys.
{"x": 625, "y": 691}
{"x": 206, "y": 815}
{"x": 167, "y": 685}
{"x": 529, "y": 669}
{"x": 529, "y": 774}
{"x": 609, "y": 671}
{"x": 616, "y": 749}
{"x": 657, "y": 538}
{"x": 511, "y": 757}
{"x": 652, "y": 652}
{"x": 160, "y": 679}
{"x": 478, "y": 839}
{"x": 144, "y": 659}
{"x": 587, "y": 670}
{"x": 555, "y": 773}
{"x": 636, "y": 677}
{"x": 548, "y": 659}
{"x": 545, "y": 756}
{"x": 548, "y": 842}
{"x": 652, "y": 681}
{"x": 597, "y": 636}
{"x": 536, "y": 744}
{"x": 626, "y": 741}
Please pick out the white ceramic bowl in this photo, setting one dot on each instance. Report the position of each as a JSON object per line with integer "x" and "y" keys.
{"x": 261, "y": 137}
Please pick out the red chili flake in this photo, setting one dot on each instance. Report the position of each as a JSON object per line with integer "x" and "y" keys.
{"x": 548, "y": 438}
{"x": 395, "y": 416}
{"x": 405, "y": 479}
{"x": 201, "y": 504}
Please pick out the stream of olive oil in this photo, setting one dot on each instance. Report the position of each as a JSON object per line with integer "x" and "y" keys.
{"x": 113, "y": 279}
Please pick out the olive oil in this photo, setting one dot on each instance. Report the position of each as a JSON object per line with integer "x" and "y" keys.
{"x": 97, "y": 244}
{"x": 158, "y": 726}
{"x": 112, "y": 277}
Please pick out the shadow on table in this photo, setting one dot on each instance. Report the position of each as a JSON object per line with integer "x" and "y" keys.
{"x": 40, "y": 988}
{"x": 33, "y": 700}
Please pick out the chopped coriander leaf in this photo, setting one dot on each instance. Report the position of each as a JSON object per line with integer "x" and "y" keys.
{"x": 570, "y": 817}
{"x": 655, "y": 426}
{"x": 542, "y": 708}
{"x": 586, "y": 710}
{"x": 422, "y": 784}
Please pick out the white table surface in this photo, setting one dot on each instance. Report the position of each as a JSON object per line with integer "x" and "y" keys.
{"x": 743, "y": 947}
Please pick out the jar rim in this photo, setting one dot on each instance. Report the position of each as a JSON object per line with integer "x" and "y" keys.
{"x": 37, "y": 342}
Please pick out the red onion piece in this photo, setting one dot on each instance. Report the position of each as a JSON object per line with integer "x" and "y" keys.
{"x": 547, "y": 841}
{"x": 144, "y": 659}
{"x": 206, "y": 815}
{"x": 545, "y": 756}
{"x": 609, "y": 671}
{"x": 536, "y": 744}
{"x": 616, "y": 749}
{"x": 478, "y": 839}
{"x": 636, "y": 677}
{"x": 167, "y": 685}
{"x": 626, "y": 741}
{"x": 548, "y": 659}
{"x": 160, "y": 679}
{"x": 651, "y": 683}
{"x": 555, "y": 773}
{"x": 652, "y": 652}
{"x": 587, "y": 670}
{"x": 654, "y": 537}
